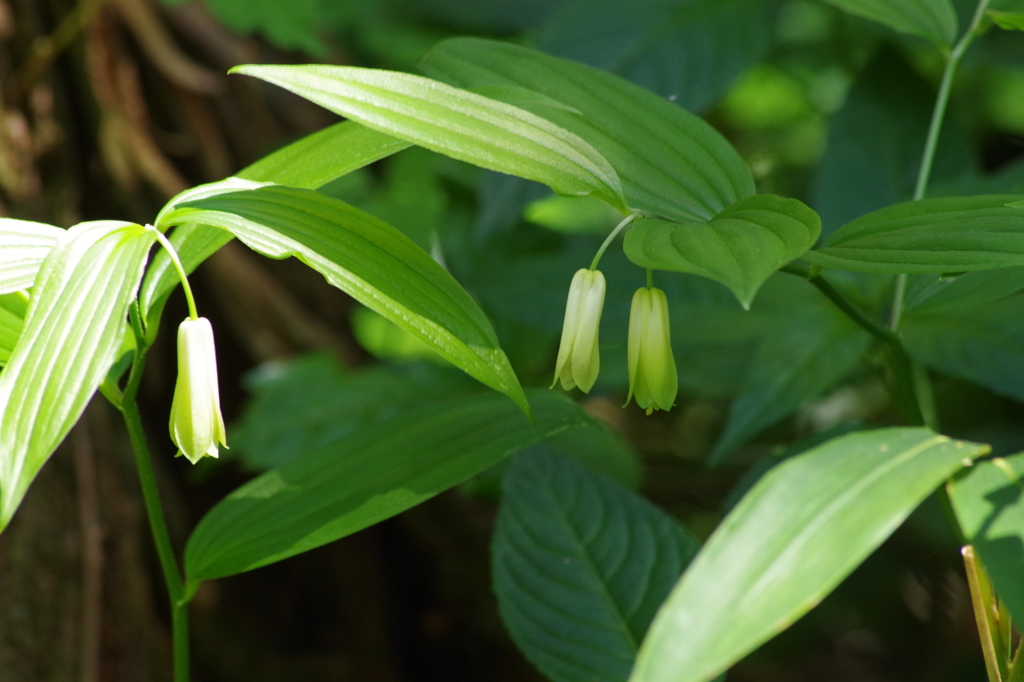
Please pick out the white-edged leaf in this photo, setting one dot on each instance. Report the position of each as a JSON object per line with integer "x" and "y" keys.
{"x": 23, "y": 246}
{"x": 72, "y": 332}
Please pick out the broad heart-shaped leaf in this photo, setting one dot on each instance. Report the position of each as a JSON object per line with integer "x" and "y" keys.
{"x": 13, "y": 308}
{"x": 983, "y": 343}
{"x": 811, "y": 348}
{"x": 687, "y": 50}
{"x": 23, "y": 246}
{"x": 580, "y": 566}
{"x": 741, "y": 246}
{"x": 800, "y": 530}
{"x": 955, "y": 234}
{"x": 367, "y": 258}
{"x": 369, "y": 476}
{"x": 933, "y": 20}
{"x": 989, "y": 503}
{"x": 72, "y": 332}
{"x": 454, "y": 122}
{"x": 671, "y": 163}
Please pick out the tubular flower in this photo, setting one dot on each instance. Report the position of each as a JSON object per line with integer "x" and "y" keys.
{"x": 197, "y": 426}
{"x": 652, "y": 369}
{"x": 578, "y": 358}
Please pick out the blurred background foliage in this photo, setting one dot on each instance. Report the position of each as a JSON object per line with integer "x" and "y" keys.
{"x": 111, "y": 107}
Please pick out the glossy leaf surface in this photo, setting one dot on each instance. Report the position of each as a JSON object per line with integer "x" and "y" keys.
{"x": 671, "y": 162}
{"x": 989, "y": 504}
{"x": 460, "y": 124}
{"x": 580, "y": 567}
{"x": 72, "y": 333}
{"x": 799, "y": 531}
{"x": 371, "y": 475}
{"x": 367, "y": 258}
{"x": 956, "y": 234}
{"x": 741, "y": 246}
{"x": 23, "y": 247}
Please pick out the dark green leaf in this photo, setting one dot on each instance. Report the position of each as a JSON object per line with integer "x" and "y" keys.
{"x": 801, "y": 529}
{"x": 671, "y": 163}
{"x": 454, "y": 122}
{"x": 876, "y": 140}
{"x": 369, "y": 476}
{"x": 983, "y": 343}
{"x": 741, "y": 246}
{"x": 367, "y": 258}
{"x": 686, "y": 50}
{"x": 930, "y": 294}
{"x": 1010, "y": 21}
{"x": 956, "y": 234}
{"x": 73, "y": 330}
{"x": 288, "y": 25}
{"x": 989, "y": 505}
{"x": 934, "y": 20}
{"x": 812, "y": 348}
{"x": 580, "y": 567}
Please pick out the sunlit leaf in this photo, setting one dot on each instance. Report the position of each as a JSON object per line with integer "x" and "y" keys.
{"x": 671, "y": 162}
{"x": 989, "y": 504}
{"x": 23, "y": 246}
{"x": 367, "y": 477}
{"x": 740, "y": 247}
{"x": 460, "y": 124}
{"x": 72, "y": 333}
{"x": 800, "y": 530}
{"x": 367, "y": 258}
{"x": 580, "y": 566}
{"x": 13, "y": 307}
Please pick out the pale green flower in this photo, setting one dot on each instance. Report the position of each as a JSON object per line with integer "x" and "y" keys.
{"x": 197, "y": 426}
{"x": 652, "y": 369}
{"x": 578, "y": 358}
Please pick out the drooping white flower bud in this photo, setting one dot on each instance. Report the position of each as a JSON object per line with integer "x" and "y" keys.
{"x": 652, "y": 369}
{"x": 197, "y": 426}
{"x": 578, "y": 358}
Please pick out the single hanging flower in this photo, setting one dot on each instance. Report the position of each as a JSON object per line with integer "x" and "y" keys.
{"x": 578, "y": 358}
{"x": 197, "y": 426}
{"x": 652, "y": 369}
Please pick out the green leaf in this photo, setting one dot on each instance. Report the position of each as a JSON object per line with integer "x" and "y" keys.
{"x": 24, "y": 246}
{"x": 740, "y": 247}
{"x": 686, "y": 50}
{"x": 13, "y": 307}
{"x": 933, "y": 20}
{"x": 316, "y": 159}
{"x": 1009, "y": 21}
{"x": 454, "y": 122}
{"x": 956, "y": 234}
{"x": 365, "y": 257}
{"x": 983, "y": 343}
{"x": 929, "y": 294}
{"x": 292, "y": 25}
{"x": 989, "y": 505}
{"x": 671, "y": 163}
{"x": 369, "y": 476}
{"x": 812, "y": 348}
{"x": 801, "y": 529}
{"x": 580, "y": 567}
{"x": 72, "y": 334}
{"x": 875, "y": 140}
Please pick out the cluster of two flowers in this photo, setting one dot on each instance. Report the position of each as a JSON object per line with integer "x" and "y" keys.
{"x": 653, "y": 381}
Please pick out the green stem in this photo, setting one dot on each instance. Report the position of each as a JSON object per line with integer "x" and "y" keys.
{"x": 154, "y": 511}
{"x": 169, "y": 248}
{"x": 650, "y": 278}
{"x": 901, "y": 364}
{"x": 932, "y": 141}
{"x": 607, "y": 242}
